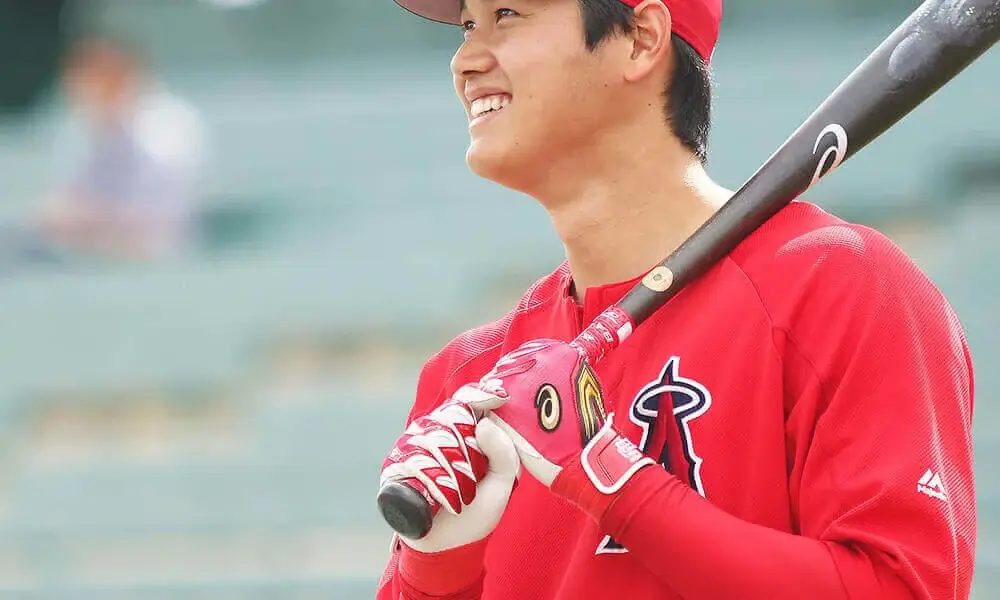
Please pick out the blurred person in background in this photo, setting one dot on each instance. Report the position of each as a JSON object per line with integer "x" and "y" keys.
{"x": 135, "y": 154}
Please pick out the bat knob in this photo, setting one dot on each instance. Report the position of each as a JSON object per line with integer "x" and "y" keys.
{"x": 405, "y": 510}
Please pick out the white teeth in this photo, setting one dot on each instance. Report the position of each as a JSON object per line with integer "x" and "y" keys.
{"x": 481, "y": 106}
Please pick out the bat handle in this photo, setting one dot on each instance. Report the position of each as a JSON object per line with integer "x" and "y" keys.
{"x": 607, "y": 331}
{"x": 408, "y": 507}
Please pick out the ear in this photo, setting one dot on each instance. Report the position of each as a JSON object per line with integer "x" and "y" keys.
{"x": 650, "y": 39}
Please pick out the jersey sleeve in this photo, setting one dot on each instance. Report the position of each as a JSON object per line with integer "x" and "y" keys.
{"x": 881, "y": 434}
{"x": 455, "y": 574}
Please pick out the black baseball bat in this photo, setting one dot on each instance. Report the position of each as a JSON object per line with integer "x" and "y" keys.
{"x": 931, "y": 47}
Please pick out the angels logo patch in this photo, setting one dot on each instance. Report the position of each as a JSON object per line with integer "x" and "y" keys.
{"x": 688, "y": 400}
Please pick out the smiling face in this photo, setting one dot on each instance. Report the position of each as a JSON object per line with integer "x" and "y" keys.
{"x": 531, "y": 88}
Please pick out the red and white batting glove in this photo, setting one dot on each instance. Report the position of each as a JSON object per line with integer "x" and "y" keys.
{"x": 547, "y": 398}
{"x": 467, "y": 466}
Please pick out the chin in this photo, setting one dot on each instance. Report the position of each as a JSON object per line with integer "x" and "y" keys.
{"x": 497, "y": 161}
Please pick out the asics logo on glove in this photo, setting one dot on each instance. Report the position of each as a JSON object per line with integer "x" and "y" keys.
{"x": 441, "y": 451}
{"x": 549, "y": 408}
{"x": 565, "y": 389}
{"x": 548, "y": 399}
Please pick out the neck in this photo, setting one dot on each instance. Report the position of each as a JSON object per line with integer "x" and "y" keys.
{"x": 618, "y": 222}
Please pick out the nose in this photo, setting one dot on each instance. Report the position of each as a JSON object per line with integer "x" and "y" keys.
{"x": 472, "y": 58}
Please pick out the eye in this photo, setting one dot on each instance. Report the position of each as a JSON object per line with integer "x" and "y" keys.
{"x": 500, "y": 13}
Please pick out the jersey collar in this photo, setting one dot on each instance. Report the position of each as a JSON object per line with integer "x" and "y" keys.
{"x": 597, "y": 298}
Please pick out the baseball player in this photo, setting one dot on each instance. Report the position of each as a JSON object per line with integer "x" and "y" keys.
{"x": 794, "y": 424}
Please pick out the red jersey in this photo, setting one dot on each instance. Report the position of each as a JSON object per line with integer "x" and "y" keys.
{"x": 814, "y": 382}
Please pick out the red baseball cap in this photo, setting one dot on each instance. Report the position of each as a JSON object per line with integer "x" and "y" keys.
{"x": 694, "y": 21}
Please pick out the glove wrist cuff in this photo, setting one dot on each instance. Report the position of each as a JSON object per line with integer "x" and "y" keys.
{"x": 445, "y": 574}
{"x": 573, "y": 486}
{"x": 593, "y": 479}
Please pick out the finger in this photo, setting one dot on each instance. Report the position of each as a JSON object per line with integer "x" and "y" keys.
{"x": 495, "y": 489}
{"x": 435, "y": 479}
{"x": 524, "y": 449}
{"x": 536, "y": 464}
{"x": 478, "y": 399}
{"x": 499, "y": 450}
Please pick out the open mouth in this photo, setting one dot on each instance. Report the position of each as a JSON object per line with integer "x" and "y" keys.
{"x": 488, "y": 106}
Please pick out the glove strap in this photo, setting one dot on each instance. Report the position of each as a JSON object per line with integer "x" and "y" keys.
{"x": 610, "y": 459}
{"x": 606, "y": 464}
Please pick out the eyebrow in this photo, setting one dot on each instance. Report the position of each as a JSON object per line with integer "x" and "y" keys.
{"x": 464, "y": 4}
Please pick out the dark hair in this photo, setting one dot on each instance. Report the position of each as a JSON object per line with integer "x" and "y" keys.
{"x": 688, "y": 98}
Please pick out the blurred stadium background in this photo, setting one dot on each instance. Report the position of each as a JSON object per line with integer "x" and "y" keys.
{"x": 212, "y": 426}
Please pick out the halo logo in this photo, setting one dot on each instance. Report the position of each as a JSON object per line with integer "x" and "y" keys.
{"x": 686, "y": 400}
{"x": 838, "y": 150}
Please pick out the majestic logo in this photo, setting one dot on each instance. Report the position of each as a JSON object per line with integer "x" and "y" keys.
{"x": 931, "y": 485}
{"x": 688, "y": 400}
{"x": 833, "y": 155}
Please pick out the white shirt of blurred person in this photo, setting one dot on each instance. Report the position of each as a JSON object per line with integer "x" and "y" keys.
{"x": 132, "y": 190}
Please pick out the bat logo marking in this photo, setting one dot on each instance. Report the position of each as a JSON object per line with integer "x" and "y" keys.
{"x": 838, "y": 150}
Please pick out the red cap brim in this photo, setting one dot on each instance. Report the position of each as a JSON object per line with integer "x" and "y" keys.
{"x": 442, "y": 11}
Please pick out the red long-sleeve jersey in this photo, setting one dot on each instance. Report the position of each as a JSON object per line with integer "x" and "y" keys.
{"x": 810, "y": 400}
